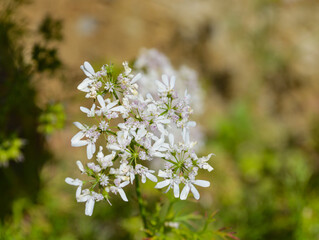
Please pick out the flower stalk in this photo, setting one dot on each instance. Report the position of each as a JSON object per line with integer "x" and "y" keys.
{"x": 141, "y": 205}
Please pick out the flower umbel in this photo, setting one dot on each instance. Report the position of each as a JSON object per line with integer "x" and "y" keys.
{"x": 137, "y": 130}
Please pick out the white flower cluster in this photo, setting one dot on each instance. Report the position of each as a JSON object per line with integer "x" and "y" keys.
{"x": 153, "y": 64}
{"x": 136, "y": 129}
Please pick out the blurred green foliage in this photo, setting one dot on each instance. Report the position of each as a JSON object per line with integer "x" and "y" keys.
{"x": 271, "y": 200}
{"x": 20, "y": 115}
{"x": 10, "y": 149}
{"x": 52, "y": 118}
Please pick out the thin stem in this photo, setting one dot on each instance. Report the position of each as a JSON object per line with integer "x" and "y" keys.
{"x": 141, "y": 205}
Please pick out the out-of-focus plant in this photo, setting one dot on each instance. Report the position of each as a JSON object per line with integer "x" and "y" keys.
{"x": 20, "y": 115}
{"x": 276, "y": 176}
{"x": 52, "y": 118}
{"x": 46, "y": 56}
{"x": 11, "y": 149}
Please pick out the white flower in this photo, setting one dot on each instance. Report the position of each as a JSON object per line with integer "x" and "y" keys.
{"x": 89, "y": 112}
{"x": 145, "y": 173}
{"x": 89, "y": 199}
{"x": 80, "y": 166}
{"x": 75, "y": 182}
{"x": 119, "y": 189}
{"x": 202, "y": 163}
{"x": 109, "y": 108}
{"x": 76, "y": 139}
{"x": 166, "y": 86}
{"x": 170, "y": 181}
{"x": 158, "y": 148}
{"x": 88, "y": 71}
{"x": 123, "y": 139}
{"x": 189, "y": 186}
{"x": 141, "y": 132}
{"x": 105, "y": 161}
{"x": 92, "y": 135}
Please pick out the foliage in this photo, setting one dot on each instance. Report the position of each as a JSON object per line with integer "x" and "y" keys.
{"x": 19, "y": 115}
{"x": 274, "y": 177}
{"x": 52, "y": 118}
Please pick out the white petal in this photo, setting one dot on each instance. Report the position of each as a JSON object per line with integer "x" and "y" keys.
{"x": 185, "y": 192}
{"x": 122, "y": 194}
{"x": 186, "y": 135}
{"x": 79, "y": 143}
{"x": 136, "y": 78}
{"x": 208, "y": 167}
{"x": 151, "y": 177}
{"x": 162, "y": 174}
{"x": 202, "y": 183}
{"x": 85, "y": 110}
{"x": 89, "y": 206}
{"x": 83, "y": 86}
{"x": 110, "y": 156}
{"x": 163, "y": 184}
{"x": 171, "y": 139}
{"x": 169, "y": 187}
{"x": 89, "y": 151}
{"x": 195, "y": 192}
{"x": 101, "y": 101}
{"x": 93, "y": 148}
{"x": 162, "y": 129}
{"x": 172, "y": 82}
{"x": 143, "y": 179}
{"x": 114, "y": 147}
{"x": 191, "y": 124}
{"x": 83, "y": 198}
{"x": 88, "y": 67}
{"x": 112, "y": 104}
{"x": 79, "y": 126}
{"x": 78, "y": 191}
{"x": 163, "y": 120}
{"x": 158, "y": 154}
{"x": 69, "y": 180}
{"x": 176, "y": 190}
{"x": 124, "y": 184}
{"x": 77, "y": 137}
{"x": 165, "y": 80}
{"x": 160, "y": 85}
{"x": 118, "y": 109}
{"x": 86, "y": 71}
{"x": 74, "y": 182}
{"x": 149, "y": 96}
{"x": 80, "y": 166}
{"x": 141, "y": 133}
{"x": 158, "y": 143}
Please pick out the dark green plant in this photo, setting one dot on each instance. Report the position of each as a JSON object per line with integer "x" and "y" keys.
{"x": 19, "y": 113}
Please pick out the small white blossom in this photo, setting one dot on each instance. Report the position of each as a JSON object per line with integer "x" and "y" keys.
{"x": 89, "y": 112}
{"x": 189, "y": 186}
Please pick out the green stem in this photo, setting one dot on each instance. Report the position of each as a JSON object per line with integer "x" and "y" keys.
{"x": 141, "y": 205}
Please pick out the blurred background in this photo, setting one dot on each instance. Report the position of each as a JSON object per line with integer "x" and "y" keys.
{"x": 258, "y": 65}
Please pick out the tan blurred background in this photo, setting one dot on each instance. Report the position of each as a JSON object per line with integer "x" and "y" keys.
{"x": 258, "y": 65}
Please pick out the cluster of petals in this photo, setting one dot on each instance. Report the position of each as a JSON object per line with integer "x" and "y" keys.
{"x": 136, "y": 130}
{"x": 153, "y": 64}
